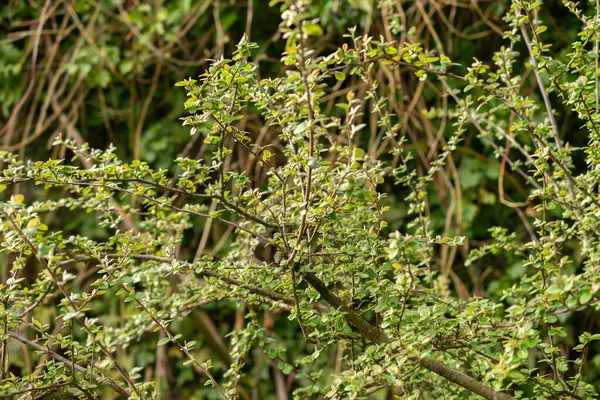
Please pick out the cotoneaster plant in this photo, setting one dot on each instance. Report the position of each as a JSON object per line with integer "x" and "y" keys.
{"x": 312, "y": 240}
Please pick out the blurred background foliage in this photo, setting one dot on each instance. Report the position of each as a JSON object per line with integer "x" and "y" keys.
{"x": 103, "y": 72}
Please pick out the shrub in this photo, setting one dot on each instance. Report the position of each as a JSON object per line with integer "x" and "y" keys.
{"x": 312, "y": 239}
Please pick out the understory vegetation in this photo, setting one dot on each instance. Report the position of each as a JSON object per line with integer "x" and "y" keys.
{"x": 331, "y": 199}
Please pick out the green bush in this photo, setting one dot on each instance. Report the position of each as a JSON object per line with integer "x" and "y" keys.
{"x": 361, "y": 260}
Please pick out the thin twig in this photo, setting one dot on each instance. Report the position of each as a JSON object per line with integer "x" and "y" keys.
{"x": 67, "y": 362}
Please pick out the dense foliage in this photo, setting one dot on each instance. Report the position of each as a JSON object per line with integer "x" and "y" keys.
{"x": 386, "y": 216}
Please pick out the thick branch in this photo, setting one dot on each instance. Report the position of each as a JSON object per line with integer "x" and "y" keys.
{"x": 375, "y": 335}
{"x": 462, "y": 379}
{"x": 364, "y": 328}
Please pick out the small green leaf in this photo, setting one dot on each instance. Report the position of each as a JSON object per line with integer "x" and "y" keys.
{"x": 17, "y": 198}
{"x": 585, "y": 297}
{"x": 313, "y": 30}
{"x": 266, "y": 155}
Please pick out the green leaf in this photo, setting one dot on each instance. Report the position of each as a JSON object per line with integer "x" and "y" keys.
{"x": 17, "y": 198}
{"x": 313, "y": 30}
{"x": 585, "y": 297}
{"x": 266, "y": 155}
